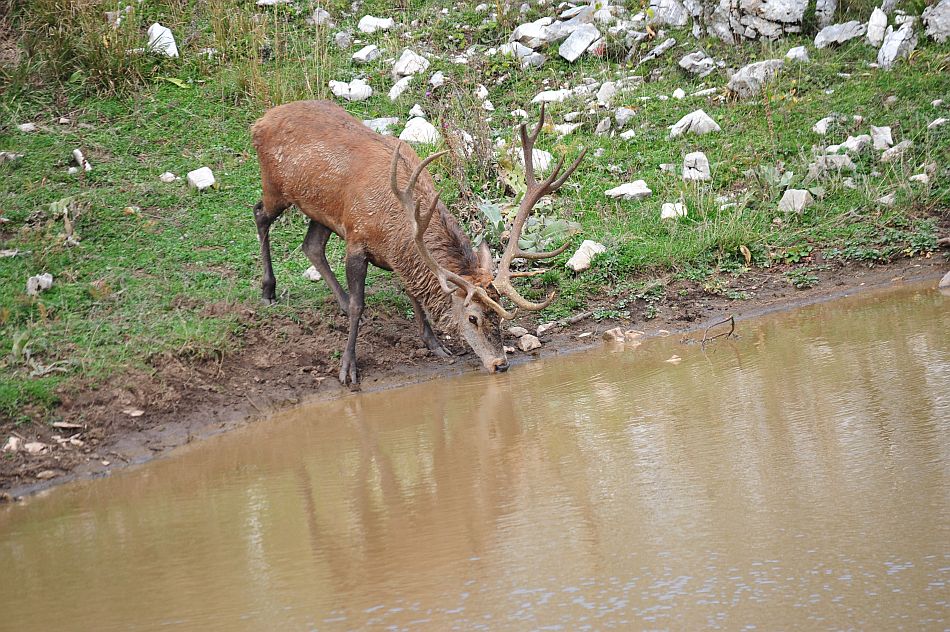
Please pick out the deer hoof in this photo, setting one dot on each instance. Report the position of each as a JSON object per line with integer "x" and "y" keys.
{"x": 269, "y": 301}
{"x": 442, "y": 352}
{"x": 349, "y": 376}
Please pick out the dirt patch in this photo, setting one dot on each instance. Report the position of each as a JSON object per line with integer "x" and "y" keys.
{"x": 280, "y": 362}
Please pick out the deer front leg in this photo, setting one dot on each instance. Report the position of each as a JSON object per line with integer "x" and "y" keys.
{"x": 356, "y": 263}
{"x": 425, "y": 330}
{"x": 264, "y": 217}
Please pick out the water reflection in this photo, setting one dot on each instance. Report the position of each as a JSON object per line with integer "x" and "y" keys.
{"x": 795, "y": 477}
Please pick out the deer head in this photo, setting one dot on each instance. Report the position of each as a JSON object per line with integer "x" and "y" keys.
{"x": 476, "y": 300}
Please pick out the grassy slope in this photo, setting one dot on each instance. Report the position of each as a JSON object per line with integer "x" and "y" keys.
{"x": 154, "y": 256}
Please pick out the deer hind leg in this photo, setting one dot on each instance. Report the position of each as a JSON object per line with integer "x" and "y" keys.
{"x": 356, "y": 262}
{"x": 425, "y": 330}
{"x": 315, "y": 247}
{"x": 264, "y": 216}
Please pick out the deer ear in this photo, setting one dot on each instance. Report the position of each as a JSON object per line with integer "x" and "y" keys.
{"x": 484, "y": 256}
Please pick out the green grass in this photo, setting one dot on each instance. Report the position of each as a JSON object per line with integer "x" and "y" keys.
{"x": 153, "y": 257}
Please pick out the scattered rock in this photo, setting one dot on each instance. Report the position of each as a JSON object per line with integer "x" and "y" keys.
{"x": 81, "y": 160}
{"x": 853, "y": 145}
{"x": 47, "y": 474}
{"x": 578, "y": 42}
{"x": 356, "y": 90}
{"x": 27, "y": 128}
{"x": 34, "y": 447}
{"x": 603, "y": 126}
{"x": 582, "y": 258}
{"x": 133, "y": 412}
{"x": 837, "y": 34}
{"x": 564, "y": 129}
{"x": 417, "y": 110}
{"x": 343, "y": 40}
{"x": 168, "y": 177}
{"x": 750, "y": 79}
{"x": 628, "y": 134}
{"x": 528, "y": 343}
{"x": 696, "y": 167}
{"x": 201, "y": 178}
{"x": 881, "y": 137}
{"x": 517, "y": 332}
{"x": 698, "y": 63}
{"x": 545, "y": 327}
{"x": 399, "y": 87}
{"x": 608, "y": 90}
{"x": 887, "y": 200}
{"x": 622, "y": 116}
{"x": 897, "y": 151}
{"x": 370, "y": 24}
{"x": 367, "y": 54}
{"x": 674, "y": 359}
{"x": 697, "y": 122}
{"x": 799, "y": 54}
{"x": 320, "y": 17}
{"x": 821, "y": 127}
{"x": 381, "y": 125}
{"x": 637, "y": 190}
{"x": 9, "y": 156}
{"x": 877, "y": 25}
{"x": 539, "y": 158}
{"x": 897, "y": 44}
{"x": 658, "y": 50}
{"x": 162, "y": 41}
{"x": 311, "y": 274}
{"x": 13, "y": 444}
{"x": 833, "y": 164}
{"x": 437, "y": 80}
{"x": 419, "y": 130}
{"x": 409, "y": 63}
{"x": 934, "y": 124}
{"x": 936, "y": 18}
{"x": 672, "y": 210}
{"x": 552, "y": 96}
{"x": 795, "y": 201}
{"x": 679, "y": 94}
{"x": 920, "y": 178}
{"x": 944, "y": 282}
{"x": 39, "y": 283}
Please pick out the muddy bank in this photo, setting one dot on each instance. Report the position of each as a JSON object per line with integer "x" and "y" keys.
{"x": 280, "y": 362}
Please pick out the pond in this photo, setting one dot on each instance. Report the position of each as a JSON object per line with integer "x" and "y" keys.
{"x": 797, "y": 476}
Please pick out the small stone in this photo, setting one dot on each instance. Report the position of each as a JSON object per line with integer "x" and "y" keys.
{"x": 936, "y": 18}
{"x": 934, "y": 124}
{"x": 437, "y": 80}
{"x": 545, "y": 327}
{"x": 621, "y": 115}
{"x": 488, "y": 106}
{"x": 628, "y": 134}
{"x": 672, "y": 210}
{"x": 696, "y": 167}
{"x": 517, "y": 332}
{"x": 311, "y": 274}
{"x": 897, "y": 44}
{"x": 409, "y": 63}
{"x": 855, "y": 144}
{"x": 799, "y": 54}
{"x": 343, "y": 40}
{"x": 27, "y": 128}
{"x": 749, "y": 80}
{"x": 528, "y": 343}
{"x": 839, "y": 34}
{"x": 539, "y": 158}
{"x": 81, "y": 160}
{"x": 613, "y": 335}
{"x": 370, "y": 24}
{"x": 552, "y": 96}
{"x": 168, "y": 177}
{"x": 887, "y": 200}
{"x": 356, "y": 90}
{"x": 608, "y": 90}
{"x": 637, "y": 190}
{"x": 877, "y": 25}
{"x": 367, "y": 54}
{"x": 162, "y": 41}
{"x": 944, "y": 282}
{"x": 603, "y": 126}
{"x": 13, "y": 444}
{"x": 881, "y": 137}
{"x": 417, "y": 110}
{"x": 320, "y": 17}
{"x": 658, "y": 50}
{"x": 795, "y": 201}
{"x": 39, "y": 283}
{"x": 697, "y": 122}
{"x": 821, "y": 127}
{"x": 399, "y": 87}
{"x": 34, "y": 447}
{"x": 897, "y": 151}
{"x": 578, "y": 42}
{"x": 674, "y": 359}
{"x": 679, "y": 94}
{"x": 47, "y": 474}
{"x": 419, "y": 130}
{"x": 698, "y": 63}
{"x": 830, "y": 165}
{"x": 564, "y": 129}
{"x": 201, "y": 178}
{"x": 382, "y": 125}
{"x": 920, "y": 178}
{"x": 582, "y": 258}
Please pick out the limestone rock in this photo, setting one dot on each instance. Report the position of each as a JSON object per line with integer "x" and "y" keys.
{"x": 356, "y": 90}
{"x": 698, "y": 63}
{"x": 821, "y": 127}
{"x": 320, "y": 17}
{"x": 168, "y": 177}
{"x": 162, "y": 41}
{"x": 799, "y": 54}
{"x": 669, "y": 13}
{"x": 825, "y": 11}
{"x": 528, "y": 343}
{"x": 937, "y": 122}
{"x": 825, "y": 166}
{"x": 578, "y": 42}
{"x": 381, "y": 125}
{"x": 311, "y": 274}
{"x": 839, "y": 33}
{"x": 623, "y": 116}
{"x": 697, "y": 122}
{"x": 881, "y": 137}
{"x": 552, "y": 96}
{"x": 27, "y": 128}
{"x": 658, "y": 50}
{"x": 603, "y": 126}
{"x": 696, "y": 167}
{"x": 877, "y": 25}
{"x": 201, "y": 178}
{"x": 679, "y": 94}
{"x": 343, "y": 40}
{"x": 367, "y": 54}
{"x": 637, "y": 190}
{"x": 608, "y": 90}
{"x": 897, "y": 44}
{"x": 795, "y": 200}
{"x": 936, "y": 19}
{"x": 419, "y": 130}
{"x": 749, "y": 80}
{"x": 370, "y": 24}
{"x": 896, "y": 152}
{"x": 672, "y": 210}
{"x": 581, "y": 259}
{"x": 517, "y": 332}
{"x": 409, "y": 63}
{"x": 39, "y": 283}
{"x": 399, "y": 87}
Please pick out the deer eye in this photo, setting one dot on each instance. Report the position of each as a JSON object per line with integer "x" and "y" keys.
{"x": 473, "y": 320}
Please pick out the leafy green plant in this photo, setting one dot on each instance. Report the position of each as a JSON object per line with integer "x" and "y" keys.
{"x": 802, "y": 278}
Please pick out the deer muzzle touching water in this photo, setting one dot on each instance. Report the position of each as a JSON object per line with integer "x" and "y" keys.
{"x": 317, "y": 157}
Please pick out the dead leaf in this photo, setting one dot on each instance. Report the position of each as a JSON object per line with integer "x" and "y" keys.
{"x": 746, "y": 254}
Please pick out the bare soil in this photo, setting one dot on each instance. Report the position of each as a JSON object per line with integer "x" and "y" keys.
{"x": 279, "y": 362}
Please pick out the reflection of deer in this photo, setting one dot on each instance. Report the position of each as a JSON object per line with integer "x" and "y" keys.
{"x": 333, "y": 168}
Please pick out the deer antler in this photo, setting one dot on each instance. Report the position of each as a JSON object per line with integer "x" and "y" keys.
{"x": 534, "y": 193}
{"x": 420, "y": 221}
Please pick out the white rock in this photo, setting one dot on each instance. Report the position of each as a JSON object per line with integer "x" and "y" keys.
{"x": 698, "y": 63}
{"x": 936, "y": 18}
{"x": 515, "y": 49}
{"x": 570, "y": 117}
{"x": 534, "y": 60}
{"x": 564, "y": 129}
{"x": 897, "y": 151}
{"x": 934, "y": 124}
{"x": 437, "y": 80}
{"x": 370, "y": 24}
{"x": 839, "y": 33}
{"x": 750, "y": 79}
{"x": 168, "y": 177}
{"x": 679, "y": 94}
{"x": 887, "y": 200}
{"x": 419, "y": 130}
{"x": 628, "y": 134}
{"x": 881, "y": 137}
{"x": 795, "y": 201}
{"x": 921, "y": 178}
{"x": 578, "y": 42}
{"x": 669, "y": 13}
{"x": 517, "y": 332}
{"x": 81, "y": 160}
{"x": 409, "y": 63}
{"x": 39, "y": 283}
{"x": 320, "y": 17}
{"x": 799, "y": 54}
{"x": 603, "y": 126}
{"x": 528, "y": 343}
{"x": 382, "y": 125}
{"x": 637, "y": 190}
{"x": 821, "y": 127}
{"x": 488, "y": 106}
{"x": 201, "y": 178}
{"x": 9, "y": 156}
{"x": 539, "y": 158}
{"x": 356, "y": 90}
{"x": 482, "y": 8}
{"x": 13, "y": 444}
{"x": 877, "y": 24}
{"x": 162, "y": 41}
{"x": 552, "y": 96}
{"x": 27, "y": 128}
{"x": 481, "y": 92}
{"x": 672, "y": 210}
{"x": 897, "y": 44}
{"x": 658, "y": 50}
{"x": 367, "y": 54}
{"x": 856, "y": 144}
{"x": 696, "y": 167}
{"x": 311, "y": 274}
{"x": 623, "y": 116}
{"x": 34, "y": 447}
{"x": 399, "y": 87}
{"x": 417, "y": 110}
{"x": 343, "y": 40}
{"x": 581, "y": 259}
{"x": 608, "y": 90}
{"x": 830, "y": 165}
{"x": 697, "y": 122}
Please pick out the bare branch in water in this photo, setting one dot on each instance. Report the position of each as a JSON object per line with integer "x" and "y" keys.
{"x": 732, "y": 327}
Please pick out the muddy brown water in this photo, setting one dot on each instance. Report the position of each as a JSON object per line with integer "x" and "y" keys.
{"x": 796, "y": 477}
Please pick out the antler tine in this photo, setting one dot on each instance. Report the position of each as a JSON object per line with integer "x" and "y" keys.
{"x": 527, "y": 148}
{"x": 567, "y": 174}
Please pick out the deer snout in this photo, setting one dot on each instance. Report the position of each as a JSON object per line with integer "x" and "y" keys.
{"x": 499, "y": 366}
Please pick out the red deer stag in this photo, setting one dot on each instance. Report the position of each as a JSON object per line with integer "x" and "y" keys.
{"x": 316, "y": 156}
